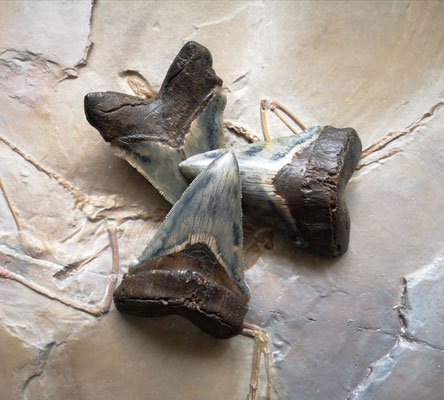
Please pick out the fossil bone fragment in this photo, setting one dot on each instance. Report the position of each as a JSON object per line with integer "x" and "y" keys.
{"x": 297, "y": 183}
{"x": 154, "y": 135}
{"x": 193, "y": 265}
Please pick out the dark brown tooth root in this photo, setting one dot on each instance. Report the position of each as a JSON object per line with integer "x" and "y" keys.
{"x": 313, "y": 184}
{"x": 190, "y": 283}
{"x": 154, "y": 135}
{"x": 186, "y": 90}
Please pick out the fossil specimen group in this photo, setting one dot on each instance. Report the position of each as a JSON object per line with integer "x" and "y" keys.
{"x": 193, "y": 265}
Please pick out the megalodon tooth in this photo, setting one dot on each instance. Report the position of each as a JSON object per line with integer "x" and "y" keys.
{"x": 296, "y": 184}
{"x": 193, "y": 265}
{"x": 154, "y": 135}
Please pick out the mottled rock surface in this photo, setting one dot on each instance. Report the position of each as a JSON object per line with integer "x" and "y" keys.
{"x": 342, "y": 328}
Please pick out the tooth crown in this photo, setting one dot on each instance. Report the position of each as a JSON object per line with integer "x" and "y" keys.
{"x": 193, "y": 265}
{"x": 259, "y": 163}
{"x": 296, "y": 184}
{"x": 208, "y": 212}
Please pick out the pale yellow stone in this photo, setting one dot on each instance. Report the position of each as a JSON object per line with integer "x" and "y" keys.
{"x": 125, "y": 357}
{"x": 13, "y": 355}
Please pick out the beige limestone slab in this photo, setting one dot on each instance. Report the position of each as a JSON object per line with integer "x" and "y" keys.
{"x": 13, "y": 356}
{"x": 375, "y": 66}
{"x": 157, "y": 358}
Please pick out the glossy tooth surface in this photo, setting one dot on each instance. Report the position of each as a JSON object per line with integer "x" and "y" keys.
{"x": 193, "y": 265}
{"x": 155, "y": 135}
{"x": 297, "y": 183}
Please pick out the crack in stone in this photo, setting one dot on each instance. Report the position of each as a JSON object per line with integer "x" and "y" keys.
{"x": 225, "y": 18}
{"x": 35, "y": 369}
{"x": 72, "y": 73}
{"x": 376, "y": 375}
{"x": 405, "y": 333}
{"x": 382, "y": 368}
{"x": 88, "y": 49}
{"x": 40, "y": 61}
{"x": 37, "y": 366}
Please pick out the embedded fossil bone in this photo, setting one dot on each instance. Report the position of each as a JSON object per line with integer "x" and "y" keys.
{"x": 297, "y": 183}
{"x": 274, "y": 106}
{"x": 155, "y": 134}
{"x": 193, "y": 265}
{"x": 7, "y": 253}
{"x": 260, "y": 337}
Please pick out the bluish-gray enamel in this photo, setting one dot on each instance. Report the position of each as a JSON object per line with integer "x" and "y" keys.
{"x": 258, "y": 164}
{"x": 159, "y": 163}
{"x": 209, "y": 212}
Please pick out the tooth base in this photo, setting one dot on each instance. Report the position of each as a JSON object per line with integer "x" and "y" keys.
{"x": 159, "y": 163}
{"x": 313, "y": 186}
{"x": 207, "y": 304}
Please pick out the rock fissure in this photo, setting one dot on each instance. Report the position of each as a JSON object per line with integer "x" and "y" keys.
{"x": 381, "y": 369}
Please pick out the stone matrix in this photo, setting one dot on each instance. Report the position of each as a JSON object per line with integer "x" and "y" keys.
{"x": 366, "y": 325}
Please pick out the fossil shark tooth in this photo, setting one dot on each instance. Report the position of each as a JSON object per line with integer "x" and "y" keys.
{"x": 193, "y": 265}
{"x": 154, "y": 135}
{"x": 297, "y": 184}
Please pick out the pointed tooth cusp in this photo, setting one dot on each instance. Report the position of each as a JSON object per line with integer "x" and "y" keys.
{"x": 194, "y": 261}
{"x": 296, "y": 184}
